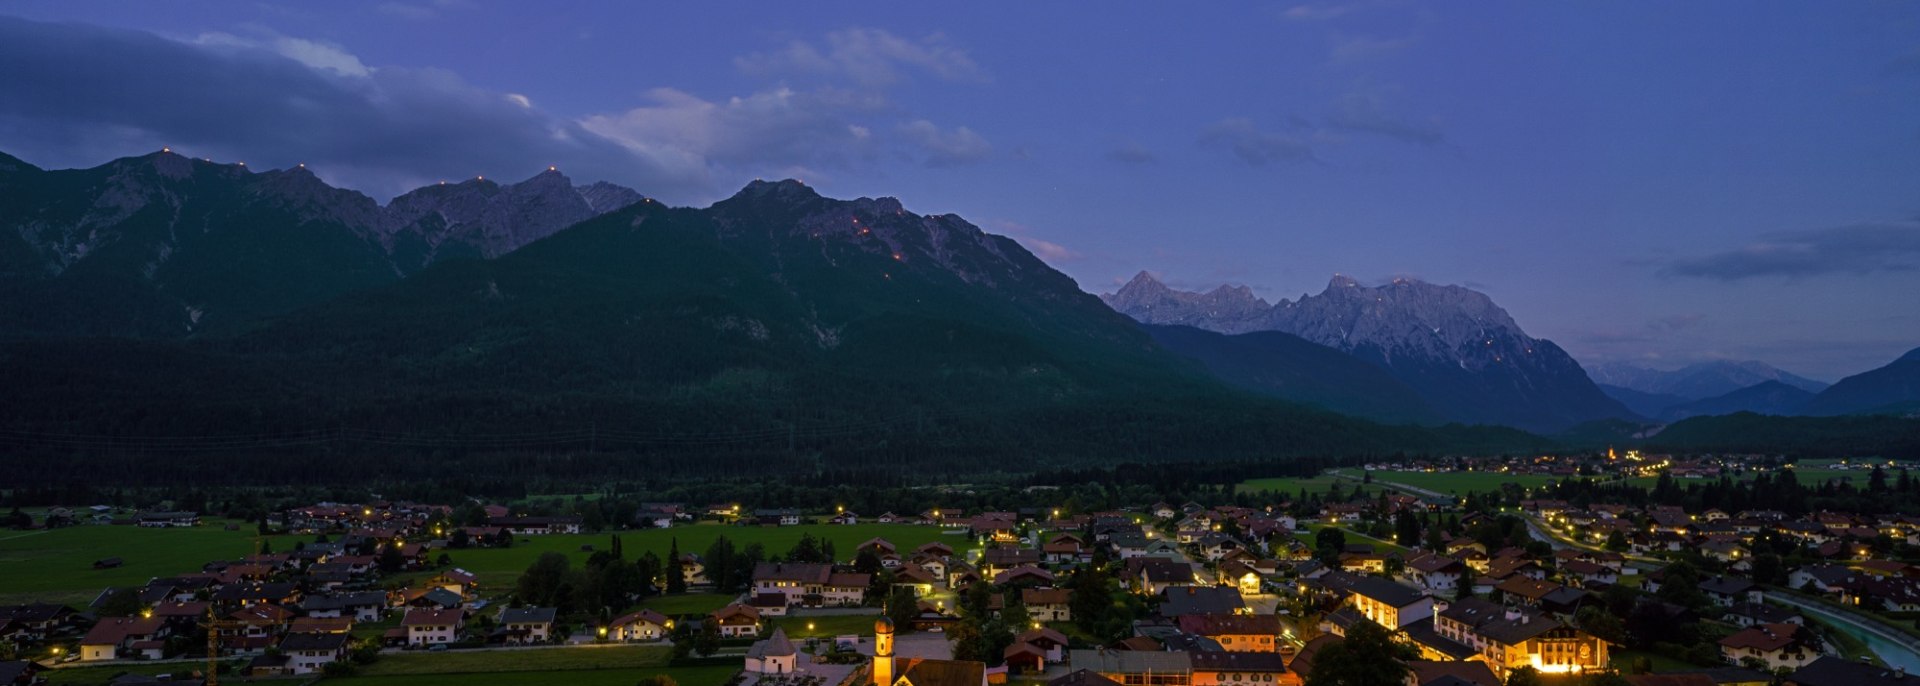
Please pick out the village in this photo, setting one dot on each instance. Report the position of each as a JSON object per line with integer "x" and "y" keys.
{"x": 1720, "y": 570}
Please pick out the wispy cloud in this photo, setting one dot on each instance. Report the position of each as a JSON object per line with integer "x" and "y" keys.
{"x": 938, "y": 147}
{"x": 870, "y": 57}
{"x": 1255, "y": 146}
{"x": 1366, "y": 113}
{"x": 1856, "y": 249}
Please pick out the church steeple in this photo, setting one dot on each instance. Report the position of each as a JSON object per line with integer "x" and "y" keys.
{"x": 883, "y": 652}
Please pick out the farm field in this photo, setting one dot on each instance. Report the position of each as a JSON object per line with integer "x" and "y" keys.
{"x": 570, "y": 658}
{"x": 102, "y": 675}
{"x": 57, "y": 565}
{"x": 825, "y": 626}
{"x": 685, "y": 676}
{"x": 1290, "y": 486}
{"x": 687, "y": 603}
{"x": 1455, "y": 483}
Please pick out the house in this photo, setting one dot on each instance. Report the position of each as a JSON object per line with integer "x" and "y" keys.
{"x": 158, "y": 520}
{"x": 21, "y": 673}
{"x": 536, "y": 526}
{"x": 1510, "y": 638}
{"x": 1833, "y": 671}
{"x": 1235, "y": 633}
{"x": 118, "y": 638}
{"x": 1201, "y": 600}
{"x": 1052, "y": 644}
{"x": 1158, "y": 574}
{"x": 810, "y": 584}
{"x": 1436, "y": 573}
{"x": 1755, "y": 614}
{"x": 1780, "y": 646}
{"x": 1450, "y": 673}
{"x": 644, "y": 625}
{"x": 1048, "y": 604}
{"x": 1387, "y": 603}
{"x": 308, "y": 653}
{"x": 1136, "y": 667}
{"x": 772, "y": 655}
{"x": 34, "y": 621}
{"x": 524, "y": 625}
{"x": 366, "y": 606}
{"x": 1024, "y": 658}
{"x": 1728, "y": 590}
{"x": 1241, "y": 669}
{"x": 777, "y": 517}
{"x": 426, "y": 626}
{"x": 1024, "y": 575}
{"x": 736, "y": 620}
{"x": 918, "y": 579}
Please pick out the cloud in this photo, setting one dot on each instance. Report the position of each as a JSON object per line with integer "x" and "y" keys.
{"x": 255, "y": 98}
{"x": 1318, "y": 12}
{"x": 314, "y": 54}
{"x": 771, "y": 129}
{"x": 1051, "y": 252}
{"x": 945, "y": 148}
{"x": 420, "y": 11}
{"x": 1132, "y": 153}
{"x": 1252, "y": 145}
{"x": 1856, "y": 249}
{"x": 870, "y": 57}
{"x": 1364, "y": 113}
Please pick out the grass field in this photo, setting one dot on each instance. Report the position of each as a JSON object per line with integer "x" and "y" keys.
{"x": 687, "y": 604}
{"x": 1456, "y": 483}
{"x": 1353, "y": 536}
{"x": 1287, "y": 486}
{"x": 571, "y": 658}
{"x": 57, "y": 565}
{"x": 99, "y": 676}
{"x": 685, "y": 676}
{"x": 825, "y": 627}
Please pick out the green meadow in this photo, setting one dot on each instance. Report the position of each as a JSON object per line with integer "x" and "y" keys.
{"x": 57, "y": 565}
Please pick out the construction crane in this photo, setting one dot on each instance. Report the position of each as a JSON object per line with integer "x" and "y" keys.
{"x": 213, "y": 626}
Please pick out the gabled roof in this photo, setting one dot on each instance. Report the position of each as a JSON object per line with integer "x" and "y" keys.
{"x": 421, "y": 616}
{"x": 925, "y": 672}
{"x": 1230, "y": 625}
{"x": 528, "y": 615}
{"x": 312, "y": 641}
{"x": 1385, "y": 591}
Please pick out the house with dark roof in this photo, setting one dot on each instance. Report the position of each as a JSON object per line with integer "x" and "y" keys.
{"x": 1387, "y": 603}
{"x": 1201, "y": 600}
{"x": 307, "y": 653}
{"x": 1153, "y": 575}
{"x": 1235, "y": 633}
{"x": 644, "y": 625}
{"x": 524, "y": 625}
{"x": 1833, "y": 671}
{"x": 772, "y": 655}
{"x": 1727, "y": 590}
{"x": 1241, "y": 669}
{"x": 1451, "y": 673}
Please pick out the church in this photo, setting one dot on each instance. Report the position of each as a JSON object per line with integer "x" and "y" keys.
{"x": 891, "y": 671}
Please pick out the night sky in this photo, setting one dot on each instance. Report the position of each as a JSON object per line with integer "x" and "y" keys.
{"x": 1643, "y": 181}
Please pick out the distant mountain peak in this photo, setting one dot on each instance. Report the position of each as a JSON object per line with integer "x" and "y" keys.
{"x": 1453, "y": 343}
{"x": 784, "y": 188}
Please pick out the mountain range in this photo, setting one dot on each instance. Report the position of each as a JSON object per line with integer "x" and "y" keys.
{"x": 768, "y": 329}
{"x": 1697, "y": 381}
{"x": 1460, "y": 353}
{"x": 161, "y": 303}
{"x": 166, "y": 246}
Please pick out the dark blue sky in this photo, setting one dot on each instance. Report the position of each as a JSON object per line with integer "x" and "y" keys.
{"x": 1663, "y": 182}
